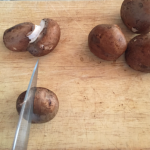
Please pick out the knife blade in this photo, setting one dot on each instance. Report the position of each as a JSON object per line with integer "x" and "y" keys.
{"x": 23, "y": 127}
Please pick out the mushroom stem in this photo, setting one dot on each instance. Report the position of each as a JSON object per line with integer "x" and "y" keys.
{"x": 134, "y": 30}
{"x": 36, "y": 32}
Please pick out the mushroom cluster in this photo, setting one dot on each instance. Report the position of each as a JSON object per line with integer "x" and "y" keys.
{"x": 108, "y": 42}
{"x": 39, "y": 40}
{"x": 135, "y": 15}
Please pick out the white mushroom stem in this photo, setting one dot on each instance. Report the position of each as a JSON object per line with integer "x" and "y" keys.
{"x": 36, "y": 32}
{"x": 134, "y": 30}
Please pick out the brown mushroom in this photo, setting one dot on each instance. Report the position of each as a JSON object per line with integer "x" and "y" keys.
{"x": 38, "y": 40}
{"x": 136, "y": 15}
{"x": 44, "y": 38}
{"x": 107, "y": 41}
{"x": 137, "y": 54}
{"x": 45, "y": 105}
{"x": 15, "y": 38}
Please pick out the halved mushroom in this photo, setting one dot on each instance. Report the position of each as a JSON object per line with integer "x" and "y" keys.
{"x": 44, "y": 38}
{"x": 38, "y": 40}
{"x": 15, "y": 38}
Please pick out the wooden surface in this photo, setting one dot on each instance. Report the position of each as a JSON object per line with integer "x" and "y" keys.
{"x": 103, "y": 105}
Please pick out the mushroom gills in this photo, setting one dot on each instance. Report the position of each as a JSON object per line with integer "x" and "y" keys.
{"x": 36, "y": 32}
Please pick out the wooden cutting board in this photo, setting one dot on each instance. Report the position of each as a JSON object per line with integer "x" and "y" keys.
{"x": 103, "y": 105}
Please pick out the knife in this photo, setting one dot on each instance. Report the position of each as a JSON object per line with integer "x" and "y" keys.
{"x": 23, "y": 128}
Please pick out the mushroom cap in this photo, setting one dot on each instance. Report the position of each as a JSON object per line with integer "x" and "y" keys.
{"x": 137, "y": 54}
{"x": 15, "y": 38}
{"x": 107, "y": 41}
{"x": 47, "y": 40}
{"x": 136, "y": 15}
{"x": 45, "y": 105}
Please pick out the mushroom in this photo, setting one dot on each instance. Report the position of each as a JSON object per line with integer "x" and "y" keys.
{"x": 15, "y": 38}
{"x": 45, "y": 106}
{"x": 138, "y": 53}
{"x": 136, "y": 15}
{"x": 39, "y": 40}
{"x": 107, "y": 41}
{"x": 44, "y": 38}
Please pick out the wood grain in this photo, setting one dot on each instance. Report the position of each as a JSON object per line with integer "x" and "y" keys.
{"x": 103, "y": 105}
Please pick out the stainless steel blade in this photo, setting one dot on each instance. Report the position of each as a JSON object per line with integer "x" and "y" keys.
{"x": 23, "y": 128}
